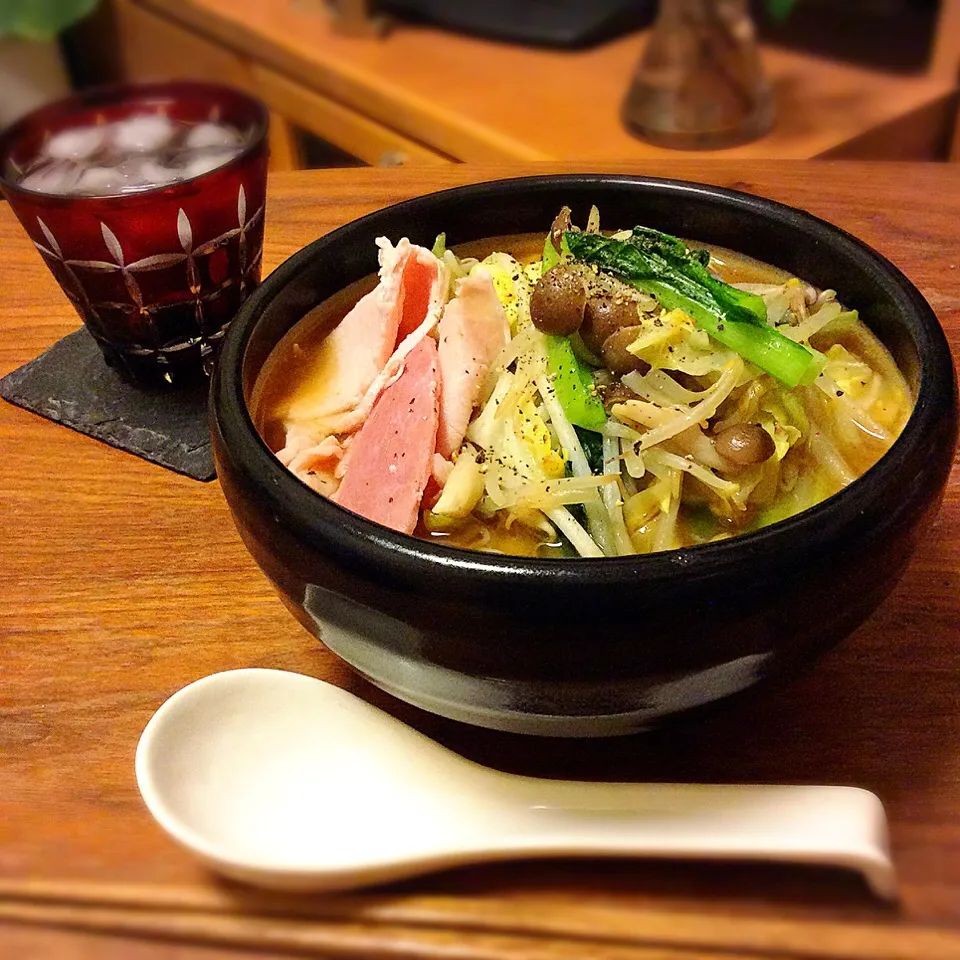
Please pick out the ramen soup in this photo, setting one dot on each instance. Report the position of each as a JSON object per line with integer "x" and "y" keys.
{"x": 592, "y": 394}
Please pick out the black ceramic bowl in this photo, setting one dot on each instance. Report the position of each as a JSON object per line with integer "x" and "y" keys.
{"x": 587, "y": 647}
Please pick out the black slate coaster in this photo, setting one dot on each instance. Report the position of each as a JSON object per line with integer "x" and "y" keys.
{"x": 71, "y": 384}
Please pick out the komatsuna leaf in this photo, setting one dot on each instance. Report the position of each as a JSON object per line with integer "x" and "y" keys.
{"x": 655, "y": 265}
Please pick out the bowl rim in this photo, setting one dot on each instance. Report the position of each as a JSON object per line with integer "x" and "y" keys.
{"x": 322, "y": 523}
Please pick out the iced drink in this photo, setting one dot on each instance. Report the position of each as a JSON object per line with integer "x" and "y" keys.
{"x": 147, "y": 203}
{"x": 137, "y": 153}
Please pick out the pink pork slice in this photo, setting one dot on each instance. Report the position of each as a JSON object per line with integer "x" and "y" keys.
{"x": 354, "y": 354}
{"x": 472, "y": 331}
{"x": 391, "y": 458}
{"x": 421, "y": 273}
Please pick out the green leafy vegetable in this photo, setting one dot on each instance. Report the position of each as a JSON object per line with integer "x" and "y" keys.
{"x": 550, "y": 255}
{"x": 41, "y": 19}
{"x": 702, "y": 523}
{"x": 592, "y": 444}
{"x": 572, "y": 377}
{"x": 780, "y": 9}
{"x": 439, "y": 246}
{"x": 662, "y": 266}
{"x": 583, "y": 353}
{"x": 574, "y": 386}
{"x": 692, "y": 264}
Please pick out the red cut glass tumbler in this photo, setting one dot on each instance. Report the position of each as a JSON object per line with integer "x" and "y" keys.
{"x": 157, "y": 271}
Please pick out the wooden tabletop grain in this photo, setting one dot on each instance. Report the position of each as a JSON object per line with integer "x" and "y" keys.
{"x": 122, "y": 582}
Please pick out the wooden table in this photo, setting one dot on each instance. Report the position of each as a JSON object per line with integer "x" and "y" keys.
{"x": 426, "y": 96}
{"x": 122, "y": 582}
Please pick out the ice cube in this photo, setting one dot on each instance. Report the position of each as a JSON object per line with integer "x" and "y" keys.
{"x": 147, "y": 134}
{"x": 207, "y": 135}
{"x": 157, "y": 175}
{"x": 100, "y": 182}
{"x": 108, "y": 181}
{"x": 133, "y": 172}
{"x": 77, "y": 143}
{"x": 126, "y": 177}
{"x": 58, "y": 178}
{"x": 207, "y": 161}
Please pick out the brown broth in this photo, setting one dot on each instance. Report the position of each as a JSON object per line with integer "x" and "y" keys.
{"x": 298, "y": 360}
{"x": 495, "y": 536}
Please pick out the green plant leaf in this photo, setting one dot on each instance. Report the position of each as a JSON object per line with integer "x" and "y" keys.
{"x": 41, "y": 19}
{"x": 780, "y": 9}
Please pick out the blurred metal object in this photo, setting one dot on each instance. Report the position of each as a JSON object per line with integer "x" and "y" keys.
{"x": 392, "y": 158}
{"x": 700, "y": 83}
{"x": 353, "y": 18}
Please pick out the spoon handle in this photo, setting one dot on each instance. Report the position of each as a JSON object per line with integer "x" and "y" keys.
{"x": 835, "y": 826}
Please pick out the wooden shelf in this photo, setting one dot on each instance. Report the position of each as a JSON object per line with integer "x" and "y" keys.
{"x": 470, "y": 99}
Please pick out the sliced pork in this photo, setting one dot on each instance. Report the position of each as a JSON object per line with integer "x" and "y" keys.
{"x": 391, "y": 458}
{"x": 347, "y": 362}
{"x": 366, "y": 351}
{"x": 472, "y": 332}
{"x": 319, "y": 465}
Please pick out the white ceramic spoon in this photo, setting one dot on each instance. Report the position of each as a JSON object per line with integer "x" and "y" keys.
{"x": 285, "y": 781}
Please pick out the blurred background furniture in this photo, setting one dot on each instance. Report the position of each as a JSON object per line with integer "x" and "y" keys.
{"x": 418, "y": 94}
{"x": 31, "y": 74}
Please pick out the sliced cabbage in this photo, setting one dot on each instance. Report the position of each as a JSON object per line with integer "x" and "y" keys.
{"x": 514, "y": 286}
{"x": 515, "y": 440}
{"x": 672, "y": 340}
{"x": 782, "y": 416}
{"x": 464, "y": 487}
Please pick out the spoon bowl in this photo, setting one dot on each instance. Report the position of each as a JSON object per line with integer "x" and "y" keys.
{"x": 285, "y": 781}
